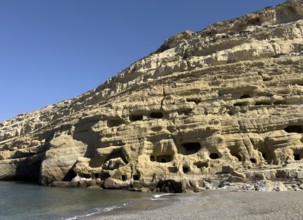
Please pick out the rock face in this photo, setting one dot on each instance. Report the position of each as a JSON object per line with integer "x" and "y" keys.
{"x": 207, "y": 109}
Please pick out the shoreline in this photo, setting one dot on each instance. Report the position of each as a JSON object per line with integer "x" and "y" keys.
{"x": 134, "y": 208}
{"x": 214, "y": 204}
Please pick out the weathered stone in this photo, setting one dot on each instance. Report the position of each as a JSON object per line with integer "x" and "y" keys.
{"x": 238, "y": 174}
{"x": 61, "y": 184}
{"x": 268, "y": 186}
{"x": 282, "y": 174}
{"x": 8, "y": 169}
{"x": 227, "y": 169}
{"x": 225, "y": 102}
{"x": 111, "y": 183}
{"x": 236, "y": 179}
{"x": 113, "y": 164}
{"x": 279, "y": 187}
{"x": 60, "y": 159}
{"x": 212, "y": 184}
{"x": 259, "y": 176}
{"x": 300, "y": 176}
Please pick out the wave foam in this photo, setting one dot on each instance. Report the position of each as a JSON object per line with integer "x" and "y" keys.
{"x": 99, "y": 211}
{"x": 161, "y": 195}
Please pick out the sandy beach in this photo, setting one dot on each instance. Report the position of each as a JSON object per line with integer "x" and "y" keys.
{"x": 220, "y": 204}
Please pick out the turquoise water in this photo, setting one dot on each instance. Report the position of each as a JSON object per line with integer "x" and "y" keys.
{"x": 25, "y": 201}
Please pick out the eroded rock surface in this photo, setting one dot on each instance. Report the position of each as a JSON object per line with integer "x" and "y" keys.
{"x": 210, "y": 109}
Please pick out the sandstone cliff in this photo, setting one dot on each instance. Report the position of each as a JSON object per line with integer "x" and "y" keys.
{"x": 215, "y": 107}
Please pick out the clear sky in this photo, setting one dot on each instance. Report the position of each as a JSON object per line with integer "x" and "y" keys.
{"x": 52, "y": 50}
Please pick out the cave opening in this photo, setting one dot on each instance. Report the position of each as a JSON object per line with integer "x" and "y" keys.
{"x": 29, "y": 171}
{"x": 293, "y": 129}
{"x": 152, "y": 158}
{"x": 240, "y": 104}
{"x": 191, "y": 147}
{"x": 263, "y": 103}
{"x": 104, "y": 176}
{"x": 114, "y": 123}
{"x": 253, "y": 160}
{"x": 164, "y": 158}
{"x": 161, "y": 158}
{"x": 235, "y": 152}
{"x": 172, "y": 169}
{"x": 196, "y": 101}
{"x": 245, "y": 96}
{"x": 124, "y": 177}
{"x": 117, "y": 153}
{"x": 136, "y": 117}
{"x": 238, "y": 157}
{"x": 266, "y": 153}
{"x": 136, "y": 177}
{"x": 214, "y": 156}
{"x": 185, "y": 169}
{"x": 156, "y": 115}
{"x": 201, "y": 164}
{"x": 85, "y": 175}
{"x": 297, "y": 156}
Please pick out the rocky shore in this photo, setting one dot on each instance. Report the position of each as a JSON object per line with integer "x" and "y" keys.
{"x": 219, "y": 108}
{"x": 271, "y": 178}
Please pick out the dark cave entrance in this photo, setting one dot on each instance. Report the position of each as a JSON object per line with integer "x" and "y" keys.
{"x": 191, "y": 147}
{"x": 161, "y": 158}
{"x": 293, "y": 129}
{"x": 136, "y": 117}
{"x": 185, "y": 169}
{"x": 214, "y": 156}
{"x": 156, "y": 115}
{"x": 253, "y": 160}
{"x": 245, "y": 96}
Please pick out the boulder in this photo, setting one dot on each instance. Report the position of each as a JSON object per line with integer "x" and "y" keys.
{"x": 269, "y": 186}
{"x": 60, "y": 159}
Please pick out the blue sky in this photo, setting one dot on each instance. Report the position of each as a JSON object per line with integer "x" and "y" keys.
{"x": 52, "y": 50}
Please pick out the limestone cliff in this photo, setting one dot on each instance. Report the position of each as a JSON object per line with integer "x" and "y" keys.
{"x": 223, "y": 104}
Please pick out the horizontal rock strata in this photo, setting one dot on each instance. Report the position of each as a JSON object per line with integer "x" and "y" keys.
{"x": 207, "y": 109}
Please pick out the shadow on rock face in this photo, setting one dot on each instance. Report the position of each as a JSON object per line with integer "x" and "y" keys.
{"x": 170, "y": 186}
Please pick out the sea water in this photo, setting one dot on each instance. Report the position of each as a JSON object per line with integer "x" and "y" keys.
{"x": 26, "y": 201}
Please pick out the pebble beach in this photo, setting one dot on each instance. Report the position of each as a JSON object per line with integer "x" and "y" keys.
{"x": 217, "y": 204}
